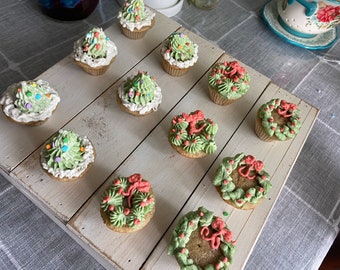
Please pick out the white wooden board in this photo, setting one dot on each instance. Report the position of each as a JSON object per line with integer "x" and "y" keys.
{"x": 127, "y": 144}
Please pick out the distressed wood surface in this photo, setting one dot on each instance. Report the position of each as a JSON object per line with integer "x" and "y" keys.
{"x": 127, "y": 144}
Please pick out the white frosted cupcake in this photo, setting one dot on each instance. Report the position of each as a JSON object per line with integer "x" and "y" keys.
{"x": 178, "y": 54}
{"x": 135, "y": 19}
{"x": 140, "y": 94}
{"x": 67, "y": 156}
{"x": 29, "y": 102}
{"x": 94, "y": 52}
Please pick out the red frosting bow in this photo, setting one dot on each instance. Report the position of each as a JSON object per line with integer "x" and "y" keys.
{"x": 251, "y": 164}
{"x": 137, "y": 184}
{"x": 215, "y": 239}
{"x": 192, "y": 119}
{"x": 286, "y": 109}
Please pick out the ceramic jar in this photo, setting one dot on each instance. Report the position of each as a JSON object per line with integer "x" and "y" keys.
{"x": 306, "y": 19}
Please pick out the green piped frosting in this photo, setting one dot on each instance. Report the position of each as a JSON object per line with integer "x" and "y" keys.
{"x": 140, "y": 89}
{"x": 229, "y": 191}
{"x": 64, "y": 150}
{"x": 94, "y": 43}
{"x": 230, "y": 79}
{"x": 32, "y": 97}
{"x": 116, "y": 198}
{"x": 194, "y": 133}
{"x": 288, "y": 110}
{"x": 180, "y": 47}
{"x": 189, "y": 223}
{"x": 134, "y": 10}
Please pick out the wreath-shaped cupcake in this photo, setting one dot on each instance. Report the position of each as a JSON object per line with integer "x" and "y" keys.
{"x": 192, "y": 135}
{"x": 202, "y": 241}
{"x": 128, "y": 204}
{"x": 242, "y": 181}
{"x": 277, "y": 120}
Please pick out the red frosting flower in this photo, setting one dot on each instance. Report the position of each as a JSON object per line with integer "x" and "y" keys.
{"x": 328, "y": 13}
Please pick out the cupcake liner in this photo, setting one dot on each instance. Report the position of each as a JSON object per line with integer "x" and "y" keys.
{"x": 94, "y": 71}
{"x": 218, "y": 99}
{"x": 173, "y": 70}
{"x": 137, "y": 33}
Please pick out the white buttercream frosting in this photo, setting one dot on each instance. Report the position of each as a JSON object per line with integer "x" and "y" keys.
{"x": 142, "y": 109}
{"x": 88, "y": 158}
{"x": 137, "y": 25}
{"x": 181, "y": 64}
{"x": 79, "y": 55}
{"x": 9, "y": 96}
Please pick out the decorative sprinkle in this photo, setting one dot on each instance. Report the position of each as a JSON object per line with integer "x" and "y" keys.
{"x": 82, "y": 149}
{"x": 57, "y": 159}
{"x": 64, "y": 148}
{"x": 332, "y": 115}
{"x": 225, "y": 213}
{"x": 48, "y": 146}
{"x": 19, "y": 90}
{"x": 48, "y": 95}
{"x": 29, "y": 93}
{"x": 37, "y": 96}
{"x": 28, "y": 105}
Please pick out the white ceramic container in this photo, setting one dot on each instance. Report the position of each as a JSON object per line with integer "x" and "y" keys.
{"x": 306, "y": 18}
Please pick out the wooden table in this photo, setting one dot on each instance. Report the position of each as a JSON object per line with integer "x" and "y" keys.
{"x": 127, "y": 144}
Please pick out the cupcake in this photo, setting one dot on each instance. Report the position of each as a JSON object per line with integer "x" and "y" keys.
{"x": 139, "y": 95}
{"x": 192, "y": 135}
{"x": 29, "y": 102}
{"x": 277, "y": 120}
{"x": 178, "y": 54}
{"x": 242, "y": 181}
{"x": 95, "y": 52}
{"x": 67, "y": 156}
{"x": 128, "y": 204}
{"x": 135, "y": 19}
{"x": 227, "y": 81}
{"x": 202, "y": 241}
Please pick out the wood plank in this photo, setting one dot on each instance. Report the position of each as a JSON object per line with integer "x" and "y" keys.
{"x": 279, "y": 158}
{"x": 77, "y": 90}
{"x": 172, "y": 176}
{"x": 114, "y": 133}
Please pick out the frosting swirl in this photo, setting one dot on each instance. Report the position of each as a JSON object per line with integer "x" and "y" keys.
{"x": 248, "y": 167}
{"x": 29, "y": 101}
{"x": 127, "y": 201}
{"x": 203, "y": 220}
{"x": 280, "y": 119}
{"x": 95, "y": 48}
{"x": 193, "y": 132}
{"x": 179, "y": 50}
{"x": 140, "y": 93}
{"x": 66, "y": 155}
{"x": 230, "y": 79}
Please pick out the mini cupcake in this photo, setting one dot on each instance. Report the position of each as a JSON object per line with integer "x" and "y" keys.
{"x": 277, "y": 120}
{"x": 202, "y": 241}
{"x": 135, "y": 19}
{"x": 228, "y": 81}
{"x": 95, "y": 52}
{"x": 128, "y": 204}
{"x": 192, "y": 135}
{"x": 139, "y": 95}
{"x": 29, "y": 102}
{"x": 67, "y": 156}
{"x": 178, "y": 54}
{"x": 242, "y": 181}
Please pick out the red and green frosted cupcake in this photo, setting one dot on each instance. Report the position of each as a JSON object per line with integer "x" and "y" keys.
{"x": 228, "y": 81}
{"x": 277, "y": 120}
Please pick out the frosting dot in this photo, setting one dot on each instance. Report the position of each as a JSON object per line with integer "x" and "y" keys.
{"x": 64, "y": 148}
{"x": 48, "y": 146}
{"x": 136, "y": 221}
{"x": 111, "y": 208}
{"x": 82, "y": 149}
{"x": 28, "y": 105}
{"x": 29, "y": 93}
{"x": 19, "y": 90}
{"x": 126, "y": 211}
{"x": 57, "y": 159}
{"x": 37, "y": 96}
